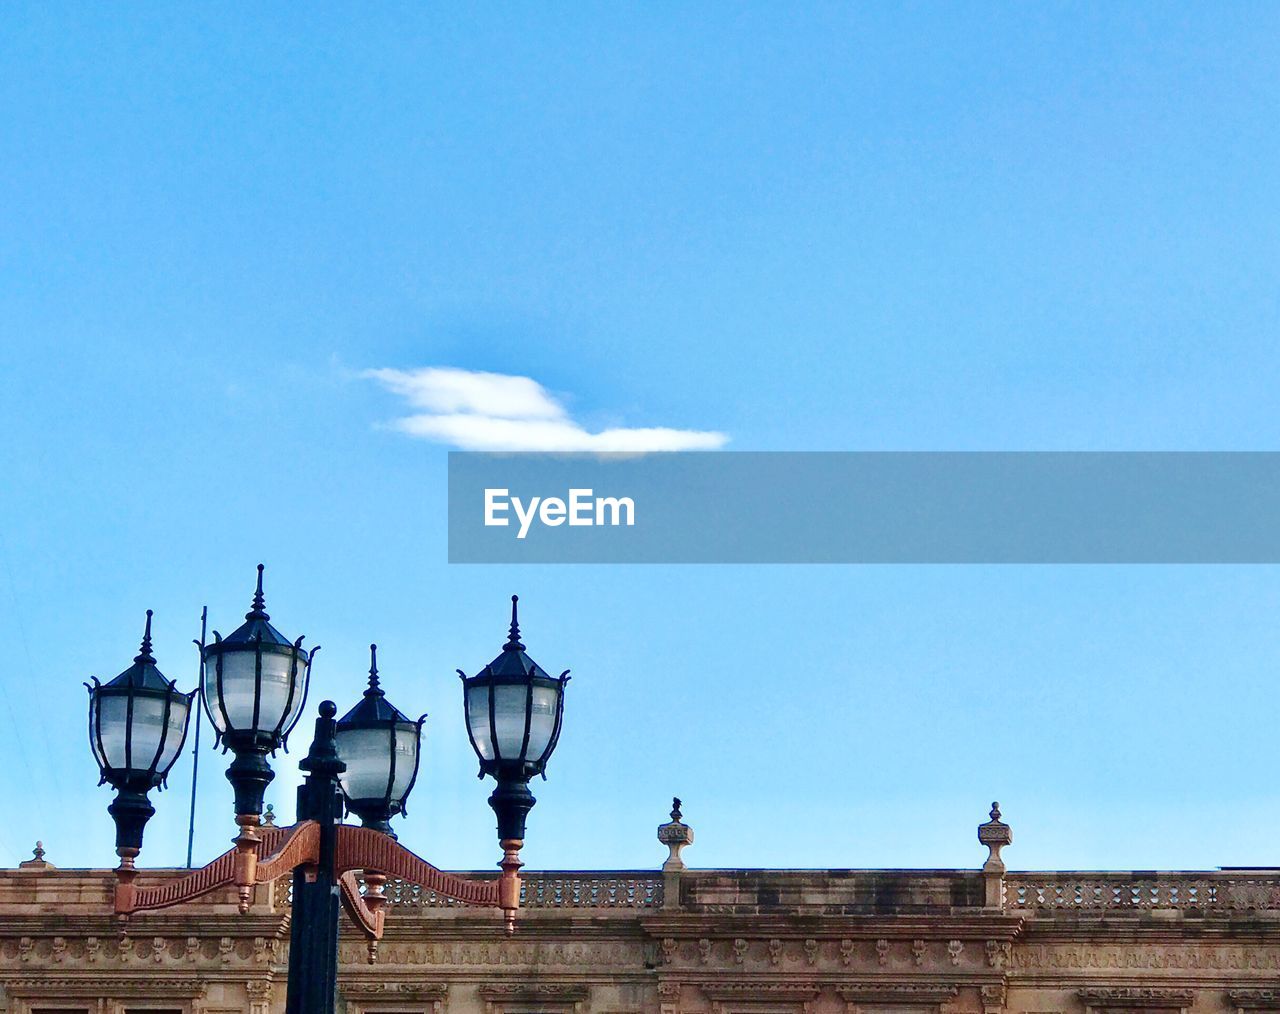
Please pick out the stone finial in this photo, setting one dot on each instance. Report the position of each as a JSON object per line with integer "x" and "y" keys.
{"x": 269, "y": 816}
{"x": 37, "y": 861}
{"x": 675, "y": 834}
{"x": 995, "y": 834}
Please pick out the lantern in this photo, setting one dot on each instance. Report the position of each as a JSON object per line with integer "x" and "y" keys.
{"x": 254, "y": 686}
{"x": 513, "y": 710}
{"x": 137, "y": 725}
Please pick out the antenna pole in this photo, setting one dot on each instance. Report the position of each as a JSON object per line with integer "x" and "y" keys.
{"x": 195, "y": 749}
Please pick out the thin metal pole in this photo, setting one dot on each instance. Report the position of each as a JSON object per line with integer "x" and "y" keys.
{"x": 195, "y": 750}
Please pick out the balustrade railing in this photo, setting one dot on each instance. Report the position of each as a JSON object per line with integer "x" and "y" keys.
{"x": 1131, "y": 891}
{"x": 549, "y": 890}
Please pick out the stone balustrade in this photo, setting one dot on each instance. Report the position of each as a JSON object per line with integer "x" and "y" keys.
{"x": 1117, "y": 891}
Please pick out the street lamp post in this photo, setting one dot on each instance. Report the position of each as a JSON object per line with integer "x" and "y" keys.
{"x": 514, "y": 709}
{"x": 253, "y": 686}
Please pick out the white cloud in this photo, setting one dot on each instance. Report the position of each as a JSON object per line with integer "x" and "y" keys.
{"x": 496, "y": 412}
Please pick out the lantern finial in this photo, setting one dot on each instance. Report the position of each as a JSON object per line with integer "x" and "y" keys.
{"x": 258, "y": 611}
{"x": 513, "y": 638}
{"x": 374, "y": 685}
{"x": 144, "y": 654}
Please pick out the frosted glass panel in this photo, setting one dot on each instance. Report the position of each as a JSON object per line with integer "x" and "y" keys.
{"x": 478, "y": 720}
{"x": 407, "y": 746}
{"x": 238, "y": 678}
{"x": 543, "y": 723}
{"x": 508, "y": 719}
{"x": 179, "y": 711}
{"x": 113, "y": 721}
{"x": 366, "y": 754}
{"x": 148, "y": 728}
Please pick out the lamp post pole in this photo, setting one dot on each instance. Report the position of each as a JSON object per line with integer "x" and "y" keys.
{"x": 313, "y": 933}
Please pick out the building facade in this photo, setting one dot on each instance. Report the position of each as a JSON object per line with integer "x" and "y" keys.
{"x": 680, "y": 941}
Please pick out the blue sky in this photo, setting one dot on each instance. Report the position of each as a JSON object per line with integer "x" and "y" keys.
{"x": 918, "y": 226}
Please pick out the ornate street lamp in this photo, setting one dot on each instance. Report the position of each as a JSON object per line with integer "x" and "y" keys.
{"x": 380, "y": 746}
{"x": 254, "y": 686}
{"x": 137, "y": 725}
{"x": 513, "y": 708}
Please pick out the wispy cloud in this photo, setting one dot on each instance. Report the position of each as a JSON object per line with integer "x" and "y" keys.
{"x": 497, "y": 412}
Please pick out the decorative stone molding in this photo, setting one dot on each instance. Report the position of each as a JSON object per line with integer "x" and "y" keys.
{"x": 40, "y": 990}
{"x": 497, "y": 951}
{"x": 1254, "y": 999}
{"x": 361, "y": 996}
{"x": 745, "y": 997}
{"x": 993, "y": 998}
{"x": 1216, "y": 957}
{"x": 916, "y": 993}
{"x": 1107, "y": 997}
{"x": 561, "y": 998}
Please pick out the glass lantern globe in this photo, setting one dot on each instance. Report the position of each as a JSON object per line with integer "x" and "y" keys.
{"x": 254, "y": 686}
{"x": 380, "y": 747}
{"x": 255, "y": 681}
{"x": 514, "y": 710}
{"x": 137, "y": 725}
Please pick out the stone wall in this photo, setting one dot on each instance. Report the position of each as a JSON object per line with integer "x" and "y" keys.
{"x": 701, "y": 942}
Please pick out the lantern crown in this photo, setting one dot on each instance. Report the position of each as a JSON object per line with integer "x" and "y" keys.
{"x": 144, "y": 673}
{"x": 374, "y": 707}
{"x": 514, "y": 661}
{"x": 257, "y": 624}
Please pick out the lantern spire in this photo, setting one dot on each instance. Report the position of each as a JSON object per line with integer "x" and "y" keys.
{"x": 258, "y": 610}
{"x": 513, "y": 636}
{"x": 144, "y": 653}
{"x": 375, "y": 686}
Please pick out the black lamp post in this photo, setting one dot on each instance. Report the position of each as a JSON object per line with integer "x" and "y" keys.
{"x": 137, "y": 725}
{"x": 254, "y": 685}
{"x": 380, "y": 745}
{"x": 513, "y": 708}
{"x": 254, "y": 688}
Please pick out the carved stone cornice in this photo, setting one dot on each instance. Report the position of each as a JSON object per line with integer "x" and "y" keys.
{"x": 533, "y": 991}
{"x": 896, "y": 992}
{"x": 797, "y": 992}
{"x": 1255, "y": 999}
{"x": 1215, "y": 956}
{"x": 562, "y": 995}
{"x": 426, "y": 992}
{"x": 416, "y": 993}
{"x": 113, "y": 985}
{"x": 1136, "y": 996}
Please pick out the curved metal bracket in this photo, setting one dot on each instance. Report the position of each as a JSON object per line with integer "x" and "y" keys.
{"x": 360, "y": 848}
{"x": 368, "y": 918}
{"x": 356, "y": 848}
{"x": 219, "y": 873}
